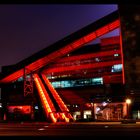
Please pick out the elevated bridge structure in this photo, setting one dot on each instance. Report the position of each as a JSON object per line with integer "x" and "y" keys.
{"x": 55, "y": 59}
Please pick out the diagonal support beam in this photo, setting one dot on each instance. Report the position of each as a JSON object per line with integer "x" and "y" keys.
{"x": 76, "y": 40}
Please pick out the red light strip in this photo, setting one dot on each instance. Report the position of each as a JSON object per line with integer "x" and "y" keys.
{"x": 90, "y": 37}
{"x": 64, "y": 116}
{"x": 53, "y": 55}
{"x": 102, "y": 30}
{"x": 114, "y": 24}
{"x": 13, "y": 76}
{"x": 83, "y": 66}
{"x": 108, "y": 28}
{"x": 122, "y": 57}
{"x": 87, "y": 56}
{"x": 66, "y": 49}
{"x": 78, "y": 43}
{"x": 48, "y": 106}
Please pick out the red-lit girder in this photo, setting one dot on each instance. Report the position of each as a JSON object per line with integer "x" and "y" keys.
{"x": 77, "y": 43}
{"x": 83, "y": 66}
{"x": 88, "y": 56}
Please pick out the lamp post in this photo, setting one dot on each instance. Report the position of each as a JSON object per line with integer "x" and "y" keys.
{"x": 92, "y": 108}
{"x": 128, "y": 102}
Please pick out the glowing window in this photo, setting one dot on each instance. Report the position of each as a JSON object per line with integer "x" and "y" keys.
{"x": 116, "y": 54}
{"x": 97, "y": 81}
{"x": 97, "y": 59}
{"x": 116, "y": 68}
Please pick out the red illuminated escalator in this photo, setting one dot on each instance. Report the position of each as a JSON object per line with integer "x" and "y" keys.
{"x": 64, "y": 110}
{"x": 48, "y": 105}
{"x": 49, "y": 108}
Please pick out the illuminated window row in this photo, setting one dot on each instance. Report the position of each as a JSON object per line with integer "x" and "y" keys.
{"x": 76, "y": 83}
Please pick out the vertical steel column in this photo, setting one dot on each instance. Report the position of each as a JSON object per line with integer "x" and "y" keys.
{"x": 28, "y": 82}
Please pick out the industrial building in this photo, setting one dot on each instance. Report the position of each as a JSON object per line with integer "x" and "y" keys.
{"x": 73, "y": 79}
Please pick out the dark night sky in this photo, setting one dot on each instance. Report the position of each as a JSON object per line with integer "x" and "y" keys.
{"x": 26, "y": 29}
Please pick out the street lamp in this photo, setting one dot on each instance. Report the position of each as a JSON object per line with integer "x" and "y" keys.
{"x": 128, "y": 102}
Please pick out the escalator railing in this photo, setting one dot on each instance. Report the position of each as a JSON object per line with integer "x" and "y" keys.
{"x": 57, "y": 108}
{"x": 65, "y": 111}
{"x": 49, "y": 108}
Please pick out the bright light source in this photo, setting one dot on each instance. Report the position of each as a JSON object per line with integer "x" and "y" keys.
{"x": 116, "y": 54}
{"x": 104, "y": 103}
{"x": 97, "y": 109}
{"x": 36, "y": 107}
{"x": 41, "y": 129}
{"x": 128, "y": 101}
{"x": 46, "y": 126}
{"x": 0, "y": 105}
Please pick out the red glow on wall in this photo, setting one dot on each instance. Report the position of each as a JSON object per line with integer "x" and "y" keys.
{"x": 24, "y": 109}
{"x": 110, "y": 41}
{"x": 117, "y": 78}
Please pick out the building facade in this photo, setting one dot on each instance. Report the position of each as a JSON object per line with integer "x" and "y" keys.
{"x": 67, "y": 80}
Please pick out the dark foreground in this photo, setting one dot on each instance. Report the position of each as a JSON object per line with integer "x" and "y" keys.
{"x": 69, "y": 129}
